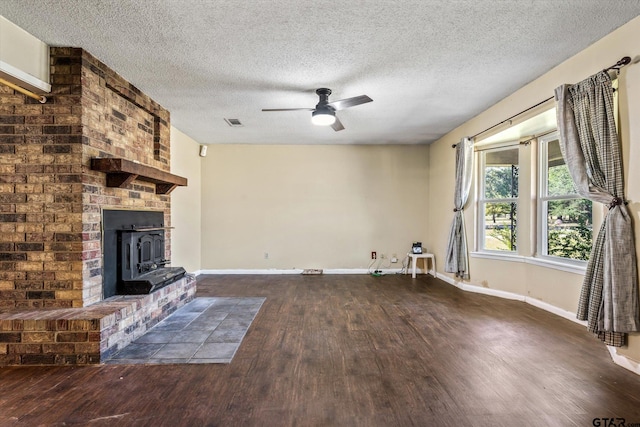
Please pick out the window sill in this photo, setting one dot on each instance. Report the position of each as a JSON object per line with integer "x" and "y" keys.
{"x": 569, "y": 268}
{"x": 540, "y": 262}
{"x": 498, "y": 256}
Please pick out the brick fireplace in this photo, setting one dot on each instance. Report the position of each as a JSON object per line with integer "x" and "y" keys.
{"x": 52, "y": 199}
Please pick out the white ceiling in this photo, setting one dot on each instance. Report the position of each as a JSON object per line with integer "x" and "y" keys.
{"x": 429, "y": 65}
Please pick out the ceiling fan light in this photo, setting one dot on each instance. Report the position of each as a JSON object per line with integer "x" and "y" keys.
{"x": 323, "y": 117}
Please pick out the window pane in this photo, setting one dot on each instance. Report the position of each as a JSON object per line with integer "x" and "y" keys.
{"x": 501, "y": 174}
{"x": 500, "y": 226}
{"x": 569, "y": 228}
{"x": 559, "y": 179}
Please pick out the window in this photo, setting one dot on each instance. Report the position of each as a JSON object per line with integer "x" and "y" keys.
{"x": 565, "y": 219}
{"x": 498, "y": 199}
{"x": 519, "y": 172}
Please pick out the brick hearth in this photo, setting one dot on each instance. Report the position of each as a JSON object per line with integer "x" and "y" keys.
{"x": 88, "y": 335}
{"x": 51, "y": 206}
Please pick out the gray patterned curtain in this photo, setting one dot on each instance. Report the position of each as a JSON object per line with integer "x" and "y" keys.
{"x": 589, "y": 142}
{"x": 457, "y": 256}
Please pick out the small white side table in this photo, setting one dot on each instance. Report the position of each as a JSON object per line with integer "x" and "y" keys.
{"x": 413, "y": 260}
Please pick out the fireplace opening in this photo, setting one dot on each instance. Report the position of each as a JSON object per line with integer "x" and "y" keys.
{"x": 134, "y": 253}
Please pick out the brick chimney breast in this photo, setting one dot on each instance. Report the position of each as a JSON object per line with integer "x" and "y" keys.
{"x": 50, "y": 199}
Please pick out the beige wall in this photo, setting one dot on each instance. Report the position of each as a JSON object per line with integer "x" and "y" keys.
{"x": 558, "y": 288}
{"x": 185, "y": 203}
{"x": 308, "y": 206}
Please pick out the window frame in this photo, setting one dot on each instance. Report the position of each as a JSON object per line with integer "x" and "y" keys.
{"x": 543, "y": 199}
{"x": 481, "y": 201}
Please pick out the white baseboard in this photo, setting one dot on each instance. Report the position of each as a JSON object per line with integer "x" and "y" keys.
{"x": 253, "y": 271}
{"x": 297, "y": 271}
{"x": 618, "y": 359}
{"x": 360, "y": 270}
{"x": 623, "y": 361}
{"x": 569, "y": 315}
{"x": 479, "y": 289}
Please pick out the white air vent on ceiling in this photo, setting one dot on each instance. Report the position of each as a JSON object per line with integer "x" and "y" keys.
{"x": 234, "y": 122}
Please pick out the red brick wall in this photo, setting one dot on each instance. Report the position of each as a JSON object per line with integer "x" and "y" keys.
{"x": 50, "y": 199}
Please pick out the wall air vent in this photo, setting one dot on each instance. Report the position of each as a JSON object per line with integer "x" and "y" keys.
{"x": 234, "y": 122}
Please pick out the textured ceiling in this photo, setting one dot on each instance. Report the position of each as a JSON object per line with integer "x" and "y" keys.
{"x": 429, "y": 65}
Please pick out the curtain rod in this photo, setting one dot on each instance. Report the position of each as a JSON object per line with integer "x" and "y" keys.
{"x": 624, "y": 61}
{"x": 523, "y": 141}
{"x": 40, "y": 98}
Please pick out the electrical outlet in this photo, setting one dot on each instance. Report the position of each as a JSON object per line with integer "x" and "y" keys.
{"x": 266, "y": 255}
{"x": 394, "y": 260}
{"x": 382, "y": 256}
{"x": 374, "y": 255}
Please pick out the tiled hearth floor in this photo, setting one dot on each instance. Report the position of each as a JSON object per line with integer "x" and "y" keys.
{"x": 206, "y": 330}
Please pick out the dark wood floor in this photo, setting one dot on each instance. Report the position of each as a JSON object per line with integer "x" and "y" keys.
{"x": 351, "y": 351}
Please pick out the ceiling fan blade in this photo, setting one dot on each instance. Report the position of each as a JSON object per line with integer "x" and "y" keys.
{"x": 288, "y": 109}
{"x": 337, "y": 125}
{"x": 341, "y": 104}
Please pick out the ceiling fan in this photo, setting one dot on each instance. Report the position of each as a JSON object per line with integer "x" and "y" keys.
{"x": 325, "y": 112}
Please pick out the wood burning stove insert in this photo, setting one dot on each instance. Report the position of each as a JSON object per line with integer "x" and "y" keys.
{"x": 134, "y": 253}
{"x": 142, "y": 265}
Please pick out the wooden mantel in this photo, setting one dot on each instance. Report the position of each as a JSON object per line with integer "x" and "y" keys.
{"x": 121, "y": 172}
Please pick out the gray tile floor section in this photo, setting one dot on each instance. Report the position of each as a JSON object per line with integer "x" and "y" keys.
{"x": 206, "y": 330}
